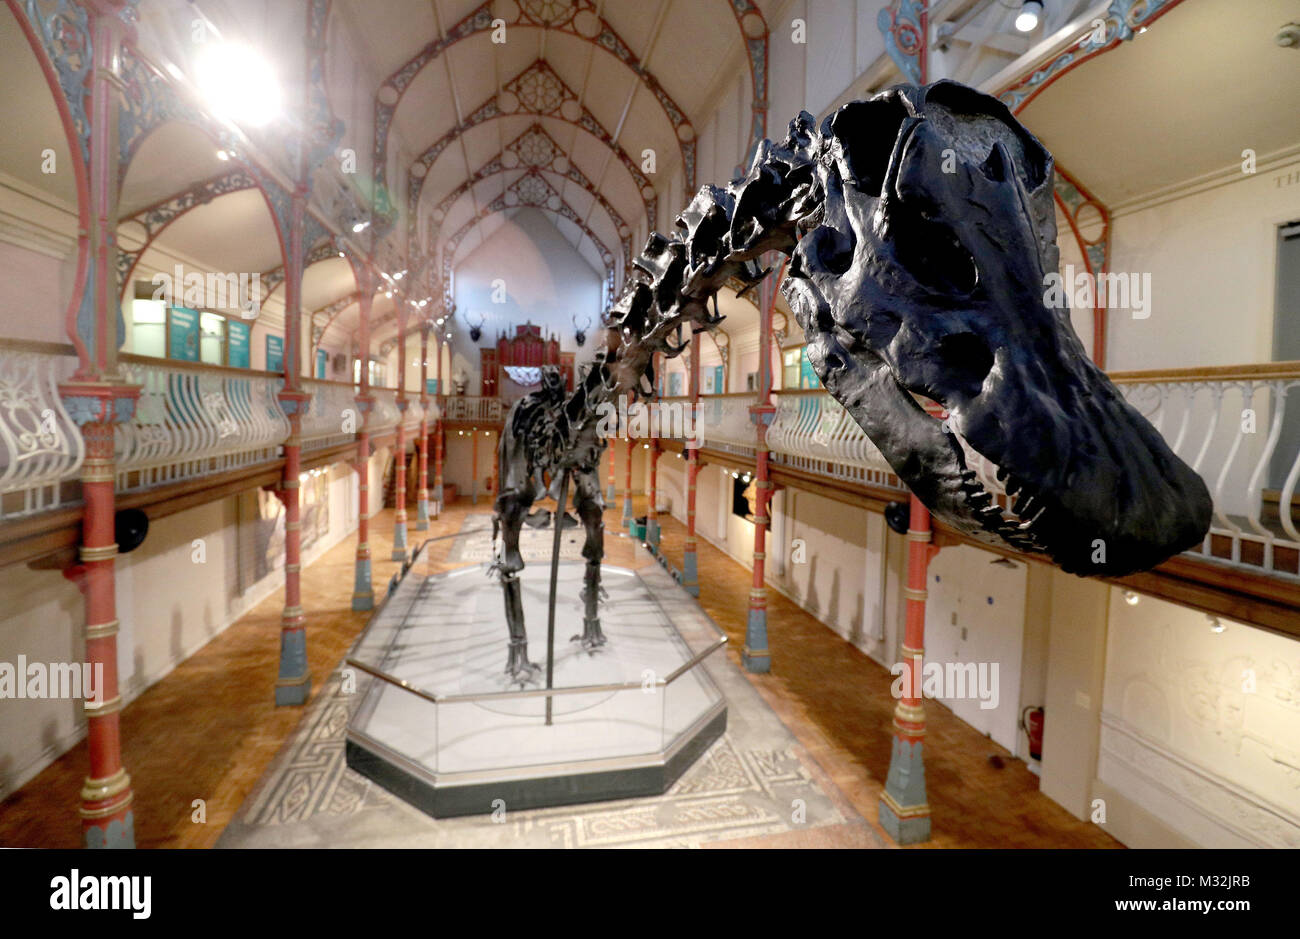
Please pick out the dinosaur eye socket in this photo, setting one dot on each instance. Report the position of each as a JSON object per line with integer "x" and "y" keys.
{"x": 866, "y": 132}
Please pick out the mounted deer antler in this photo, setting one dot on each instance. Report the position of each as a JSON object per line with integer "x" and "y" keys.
{"x": 580, "y": 332}
{"x": 476, "y": 329}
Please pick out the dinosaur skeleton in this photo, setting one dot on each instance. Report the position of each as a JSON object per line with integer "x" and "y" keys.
{"x": 920, "y": 228}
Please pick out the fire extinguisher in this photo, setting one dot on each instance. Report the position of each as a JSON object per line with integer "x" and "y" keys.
{"x": 1031, "y": 721}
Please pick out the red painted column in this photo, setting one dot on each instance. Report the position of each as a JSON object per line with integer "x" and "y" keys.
{"x": 399, "y": 468}
{"x": 422, "y": 444}
{"x": 904, "y": 812}
{"x": 363, "y": 593}
{"x": 107, "y": 820}
{"x": 473, "y": 479}
{"x": 652, "y": 516}
{"x": 106, "y": 795}
{"x": 496, "y": 465}
{"x": 755, "y": 655}
{"x": 293, "y": 683}
{"x": 690, "y": 557}
{"x": 611, "y": 491}
{"x": 97, "y": 400}
{"x": 439, "y": 440}
{"x": 627, "y": 485}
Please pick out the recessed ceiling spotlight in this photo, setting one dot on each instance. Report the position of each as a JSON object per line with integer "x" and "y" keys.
{"x": 1131, "y": 598}
{"x": 1027, "y": 18}
{"x": 1288, "y": 36}
{"x": 360, "y": 227}
{"x": 223, "y": 155}
{"x": 1216, "y": 625}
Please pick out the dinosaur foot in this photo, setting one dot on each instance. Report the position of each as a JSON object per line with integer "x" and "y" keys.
{"x": 592, "y": 637}
{"x": 521, "y": 671}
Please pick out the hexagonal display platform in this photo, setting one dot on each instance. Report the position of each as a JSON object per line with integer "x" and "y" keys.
{"x": 442, "y": 728}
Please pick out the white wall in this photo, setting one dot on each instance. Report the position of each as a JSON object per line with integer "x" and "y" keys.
{"x": 169, "y": 607}
{"x": 1211, "y": 254}
{"x": 546, "y": 282}
{"x": 1200, "y": 730}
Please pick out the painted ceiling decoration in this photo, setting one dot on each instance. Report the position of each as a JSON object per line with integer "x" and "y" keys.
{"x": 537, "y": 150}
{"x": 148, "y": 223}
{"x": 537, "y": 90}
{"x": 578, "y": 18}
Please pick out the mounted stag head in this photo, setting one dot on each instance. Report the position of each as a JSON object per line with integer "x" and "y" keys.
{"x": 580, "y": 332}
{"x": 476, "y": 329}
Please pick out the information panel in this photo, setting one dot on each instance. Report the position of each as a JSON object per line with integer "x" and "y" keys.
{"x": 274, "y": 353}
{"x": 183, "y": 335}
{"x": 238, "y": 336}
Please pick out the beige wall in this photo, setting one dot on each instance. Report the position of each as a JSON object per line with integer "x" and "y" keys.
{"x": 1075, "y": 660}
{"x": 169, "y": 603}
{"x": 1200, "y": 730}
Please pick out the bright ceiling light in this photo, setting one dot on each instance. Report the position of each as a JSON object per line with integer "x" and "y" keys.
{"x": 360, "y": 227}
{"x": 223, "y": 155}
{"x": 239, "y": 84}
{"x": 1027, "y": 18}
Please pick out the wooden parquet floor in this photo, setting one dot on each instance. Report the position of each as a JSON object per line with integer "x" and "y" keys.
{"x": 209, "y": 729}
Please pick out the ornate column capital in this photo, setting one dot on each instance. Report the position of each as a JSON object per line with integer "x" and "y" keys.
{"x": 99, "y": 402}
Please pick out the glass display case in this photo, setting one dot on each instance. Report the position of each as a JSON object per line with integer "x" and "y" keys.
{"x": 440, "y": 725}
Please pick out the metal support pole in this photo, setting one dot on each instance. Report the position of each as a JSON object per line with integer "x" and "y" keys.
{"x": 555, "y": 578}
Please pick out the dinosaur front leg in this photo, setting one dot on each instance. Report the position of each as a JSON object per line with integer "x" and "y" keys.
{"x": 511, "y": 508}
{"x": 591, "y": 508}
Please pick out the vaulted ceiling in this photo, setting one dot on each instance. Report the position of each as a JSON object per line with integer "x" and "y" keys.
{"x": 574, "y": 93}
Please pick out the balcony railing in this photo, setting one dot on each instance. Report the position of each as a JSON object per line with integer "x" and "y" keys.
{"x": 192, "y": 420}
{"x": 332, "y": 417}
{"x": 813, "y": 433}
{"x": 41, "y": 449}
{"x": 1239, "y": 428}
{"x": 723, "y": 423}
{"x": 470, "y": 409}
{"x": 384, "y": 416}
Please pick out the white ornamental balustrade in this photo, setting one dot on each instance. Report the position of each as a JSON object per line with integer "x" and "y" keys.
{"x": 1239, "y": 428}
{"x": 812, "y": 432}
{"x": 384, "y": 416}
{"x": 723, "y": 423}
{"x": 41, "y": 448}
{"x": 414, "y": 414}
{"x": 192, "y": 420}
{"x": 332, "y": 417}
{"x": 471, "y": 409}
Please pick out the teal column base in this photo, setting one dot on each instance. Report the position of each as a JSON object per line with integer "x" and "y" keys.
{"x": 293, "y": 686}
{"x": 422, "y": 515}
{"x": 363, "y": 594}
{"x": 399, "y": 542}
{"x": 691, "y": 573}
{"x": 904, "y": 812}
{"x": 652, "y": 534}
{"x": 627, "y": 511}
{"x": 120, "y": 833}
{"x": 611, "y": 494}
{"x": 755, "y": 656}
